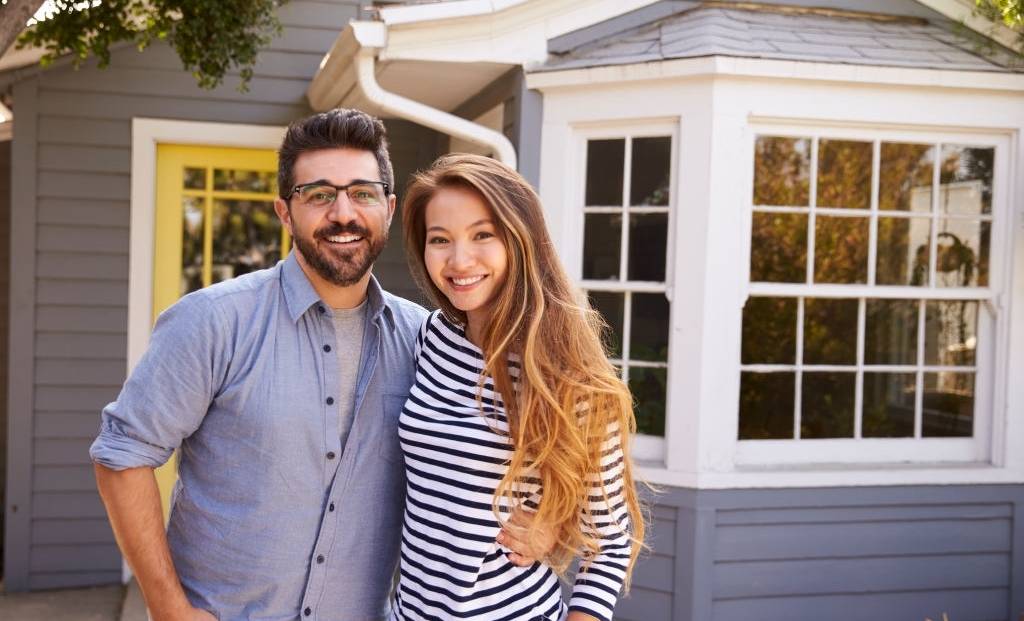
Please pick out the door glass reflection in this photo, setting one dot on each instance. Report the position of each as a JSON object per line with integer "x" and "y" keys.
{"x": 246, "y": 237}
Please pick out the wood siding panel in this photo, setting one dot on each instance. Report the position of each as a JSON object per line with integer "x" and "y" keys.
{"x": 66, "y": 157}
{"x": 83, "y": 265}
{"x": 77, "y": 131}
{"x": 67, "y": 505}
{"x": 74, "y": 399}
{"x": 82, "y": 372}
{"x": 98, "y": 240}
{"x": 83, "y": 319}
{"x": 782, "y": 541}
{"x": 78, "y": 345}
{"x": 83, "y": 185}
{"x": 61, "y": 452}
{"x": 644, "y": 604}
{"x": 82, "y": 292}
{"x": 120, "y": 106}
{"x": 70, "y": 579}
{"x": 76, "y": 478}
{"x": 958, "y": 605}
{"x": 71, "y": 531}
{"x": 85, "y": 212}
{"x": 50, "y": 425}
{"x": 75, "y": 558}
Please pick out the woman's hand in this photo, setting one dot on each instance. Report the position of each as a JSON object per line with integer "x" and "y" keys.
{"x": 515, "y": 536}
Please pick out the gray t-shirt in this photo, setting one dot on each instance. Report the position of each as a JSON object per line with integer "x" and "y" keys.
{"x": 348, "y": 327}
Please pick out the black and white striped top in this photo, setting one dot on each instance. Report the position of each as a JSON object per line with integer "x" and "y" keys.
{"x": 455, "y": 456}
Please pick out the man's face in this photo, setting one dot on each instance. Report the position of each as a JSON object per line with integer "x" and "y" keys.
{"x": 339, "y": 241}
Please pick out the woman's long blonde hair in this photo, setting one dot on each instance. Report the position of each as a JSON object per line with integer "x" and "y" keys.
{"x": 540, "y": 316}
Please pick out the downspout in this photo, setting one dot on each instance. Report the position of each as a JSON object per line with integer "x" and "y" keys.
{"x": 423, "y": 114}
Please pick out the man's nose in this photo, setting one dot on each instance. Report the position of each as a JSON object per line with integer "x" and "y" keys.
{"x": 342, "y": 209}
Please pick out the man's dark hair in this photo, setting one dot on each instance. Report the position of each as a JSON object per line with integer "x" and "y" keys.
{"x": 338, "y": 128}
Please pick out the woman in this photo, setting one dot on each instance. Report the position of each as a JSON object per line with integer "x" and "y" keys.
{"x": 515, "y": 405}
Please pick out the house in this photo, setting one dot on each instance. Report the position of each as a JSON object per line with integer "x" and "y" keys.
{"x": 802, "y": 220}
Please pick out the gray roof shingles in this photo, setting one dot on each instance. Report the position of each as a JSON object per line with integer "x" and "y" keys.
{"x": 721, "y": 31}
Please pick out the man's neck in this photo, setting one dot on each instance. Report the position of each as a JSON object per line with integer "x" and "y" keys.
{"x": 334, "y": 295}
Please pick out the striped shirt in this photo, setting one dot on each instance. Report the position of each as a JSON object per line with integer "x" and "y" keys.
{"x": 455, "y": 457}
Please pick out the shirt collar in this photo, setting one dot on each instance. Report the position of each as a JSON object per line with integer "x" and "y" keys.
{"x": 299, "y": 293}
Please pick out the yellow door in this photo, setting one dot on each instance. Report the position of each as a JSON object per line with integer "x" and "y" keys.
{"x": 214, "y": 220}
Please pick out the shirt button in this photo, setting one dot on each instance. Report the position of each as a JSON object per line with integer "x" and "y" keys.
{"x": 307, "y": 611}
{"x": 330, "y": 507}
{"x": 327, "y": 348}
{"x": 330, "y": 455}
{"x": 330, "y": 400}
{"x": 320, "y": 558}
{"x": 320, "y": 307}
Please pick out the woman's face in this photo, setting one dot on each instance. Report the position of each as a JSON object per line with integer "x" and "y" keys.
{"x": 463, "y": 254}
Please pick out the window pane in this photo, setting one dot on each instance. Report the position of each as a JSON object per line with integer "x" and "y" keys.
{"x": 830, "y": 331}
{"x": 602, "y": 239}
{"x": 840, "y": 250}
{"x": 246, "y": 237}
{"x": 962, "y": 253}
{"x": 948, "y": 405}
{"x": 605, "y": 162}
{"x": 889, "y": 405}
{"x": 950, "y": 333}
{"x": 650, "y": 171}
{"x": 191, "y": 244}
{"x": 827, "y": 405}
{"x": 769, "y": 331}
{"x": 195, "y": 178}
{"x": 844, "y": 174}
{"x": 782, "y": 171}
{"x": 610, "y": 306}
{"x": 648, "y": 239}
{"x": 906, "y": 177}
{"x": 903, "y": 249}
{"x": 966, "y": 180}
{"x": 648, "y": 338}
{"x": 890, "y": 332}
{"x": 766, "y": 406}
{"x": 648, "y": 388}
{"x": 244, "y": 181}
{"x": 778, "y": 247}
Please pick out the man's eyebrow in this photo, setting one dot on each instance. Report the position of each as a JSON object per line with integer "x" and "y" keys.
{"x": 327, "y": 182}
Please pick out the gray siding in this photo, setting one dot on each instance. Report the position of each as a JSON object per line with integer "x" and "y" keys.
{"x": 70, "y": 241}
{"x": 854, "y": 553}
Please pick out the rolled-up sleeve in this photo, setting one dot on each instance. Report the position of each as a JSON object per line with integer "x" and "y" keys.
{"x": 169, "y": 392}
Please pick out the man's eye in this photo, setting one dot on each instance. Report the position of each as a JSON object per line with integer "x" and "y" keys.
{"x": 322, "y": 196}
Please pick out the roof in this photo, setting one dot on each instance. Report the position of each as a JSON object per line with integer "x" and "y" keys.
{"x": 772, "y": 32}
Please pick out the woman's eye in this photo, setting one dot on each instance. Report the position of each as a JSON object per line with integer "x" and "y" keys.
{"x": 437, "y": 240}
{"x": 484, "y": 235}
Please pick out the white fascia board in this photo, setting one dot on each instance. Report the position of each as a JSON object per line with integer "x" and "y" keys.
{"x": 782, "y": 69}
{"x": 512, "y": 32}
{"x": 963, "y": 11}
{"x": 444, "y": 10}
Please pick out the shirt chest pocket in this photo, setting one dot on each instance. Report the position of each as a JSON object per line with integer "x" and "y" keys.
{"x": 387, "y": 438}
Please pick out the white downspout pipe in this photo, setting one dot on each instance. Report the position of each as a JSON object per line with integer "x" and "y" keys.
{"x": 425, "y": 115}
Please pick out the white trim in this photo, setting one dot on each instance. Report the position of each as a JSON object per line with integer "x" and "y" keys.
{"x": 770, "y": 68}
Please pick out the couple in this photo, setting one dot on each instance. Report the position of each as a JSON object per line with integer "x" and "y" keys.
{"x": 309, "y": 467}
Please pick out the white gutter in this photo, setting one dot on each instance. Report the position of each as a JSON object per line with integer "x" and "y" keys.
{"x": 366, "y": 60}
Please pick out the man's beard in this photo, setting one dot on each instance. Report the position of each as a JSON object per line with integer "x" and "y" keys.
{"x": 348, "y": 268}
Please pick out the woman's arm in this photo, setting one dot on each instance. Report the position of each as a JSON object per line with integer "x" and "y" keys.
{"x": 598, "y": 582}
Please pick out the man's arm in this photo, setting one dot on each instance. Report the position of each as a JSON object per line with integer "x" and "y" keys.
{"x": 132, "y": 500}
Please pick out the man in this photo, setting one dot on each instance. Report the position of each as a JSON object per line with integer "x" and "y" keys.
{"x": 282, "y": 389}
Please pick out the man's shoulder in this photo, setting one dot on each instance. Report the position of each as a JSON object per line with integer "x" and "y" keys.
{"x": 241, "y": 293}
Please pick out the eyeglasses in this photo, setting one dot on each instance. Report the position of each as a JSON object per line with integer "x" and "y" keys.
{"x": 361, "y": 193}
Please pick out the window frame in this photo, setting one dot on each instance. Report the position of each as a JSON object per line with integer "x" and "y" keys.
{"x": 646, "y": 448}
{"x": 991, "y": 356}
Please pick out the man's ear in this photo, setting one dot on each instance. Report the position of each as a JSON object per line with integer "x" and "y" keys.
{"x": 284, "y": 215}
{"x": 392, "y": 203}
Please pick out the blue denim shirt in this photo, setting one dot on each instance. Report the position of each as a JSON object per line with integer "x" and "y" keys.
{"x": 271, "y": 519}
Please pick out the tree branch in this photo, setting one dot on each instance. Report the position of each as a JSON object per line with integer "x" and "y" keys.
{"x": 13, "y": 17}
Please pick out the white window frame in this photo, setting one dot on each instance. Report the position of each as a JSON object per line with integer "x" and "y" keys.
{"x": 645, "y": 447}
{"x": 991, "y": 356}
